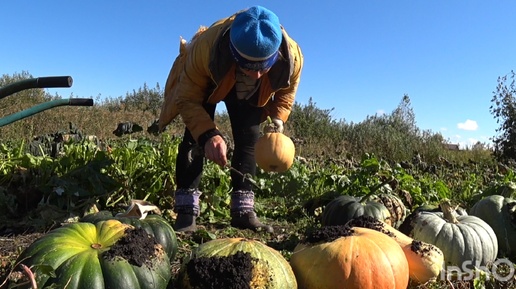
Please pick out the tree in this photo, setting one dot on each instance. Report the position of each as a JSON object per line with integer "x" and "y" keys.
{"x": 503, "y": 109}
{"x": 404, "y": 117}
{"x": 145, "y": 99}
{"x": 309, "y": 120}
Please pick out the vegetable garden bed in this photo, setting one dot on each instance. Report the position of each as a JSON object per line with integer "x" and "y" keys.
{"x": 39, "y": 194}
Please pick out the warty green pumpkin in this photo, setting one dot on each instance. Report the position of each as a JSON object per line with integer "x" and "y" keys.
{"x": 500, "y": 213}
{"x": 395, "y": 205}
{"x": 78, "y": 256}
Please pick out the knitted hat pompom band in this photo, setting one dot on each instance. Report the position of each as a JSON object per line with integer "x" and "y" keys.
{"x": 248, "y": 64}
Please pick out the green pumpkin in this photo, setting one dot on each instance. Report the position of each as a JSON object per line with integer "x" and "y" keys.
{"x": 236, "y": 262}
{"x": 154, "y": 225}
{"x": 80, "y": 256}
{"x": 344, "y": 208}
{"x": 460, "y": 237}
{"x": 407, "y": 226}
{"x": 500, "y": 213}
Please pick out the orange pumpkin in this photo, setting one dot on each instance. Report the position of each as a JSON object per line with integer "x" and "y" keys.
{"x": 362, "y": 258}
{"x": 274, "y": 152}
{"x": 425, "y": 260}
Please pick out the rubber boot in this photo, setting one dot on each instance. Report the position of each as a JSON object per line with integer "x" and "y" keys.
{"x": 185, "y": 223}
{"x": 243, "y": 215}
{"x": 187, "y": 208}
{"x": 249, "y": 220}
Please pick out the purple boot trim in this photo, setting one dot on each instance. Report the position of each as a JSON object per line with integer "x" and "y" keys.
{"x": 242, "y": 202}
{"x": 187, "y": 201}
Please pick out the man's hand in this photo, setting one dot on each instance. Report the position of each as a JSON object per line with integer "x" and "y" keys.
{"x": 276, "y": 125}
{"x": 215, "y": 150}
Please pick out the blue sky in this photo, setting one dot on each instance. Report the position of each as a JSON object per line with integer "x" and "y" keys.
{"x": 361, "y": 57}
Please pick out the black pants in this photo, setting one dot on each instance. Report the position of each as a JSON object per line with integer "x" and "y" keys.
{"x": 245, "y": 125}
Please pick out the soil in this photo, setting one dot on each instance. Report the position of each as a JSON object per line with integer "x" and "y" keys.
{"x": 136, "y": 246}
{"x": 370, "y": 223}
{"x": 10, "y": 247}
{"x": 327, "y": 234}
{"x": 231, "y": 272}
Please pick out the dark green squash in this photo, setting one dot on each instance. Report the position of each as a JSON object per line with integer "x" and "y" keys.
{"x": 500, "y": 213}
{"x": 344, "y": 208}
{"x": 154, "y": 225}
{"x": 80, "y": 256}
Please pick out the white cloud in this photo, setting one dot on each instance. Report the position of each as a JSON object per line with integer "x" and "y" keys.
{"x": 444, "y": 128}
{"x": 380, "y": 112}
{"x": 468, "y": 125}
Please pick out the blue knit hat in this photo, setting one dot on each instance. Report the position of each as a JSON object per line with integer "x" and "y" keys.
{"x": 255, "y": 38}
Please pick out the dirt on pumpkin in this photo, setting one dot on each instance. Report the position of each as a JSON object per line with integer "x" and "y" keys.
{"x": 230, "y": 272}
{"x": 136, "y": 246}
{"x": 327, "y": 234}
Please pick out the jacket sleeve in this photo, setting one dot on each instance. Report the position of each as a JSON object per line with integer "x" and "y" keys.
{"x": 193, "y": 89}
{"x": 284, "y": 99}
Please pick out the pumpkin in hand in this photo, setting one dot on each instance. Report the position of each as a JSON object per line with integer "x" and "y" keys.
{"x": 102, "y": 255}
{"x": 274, "y": 152}
{"x": 461, "y": 237}
{"x": 335, "y": 257}
{"x": 500, "y": 213}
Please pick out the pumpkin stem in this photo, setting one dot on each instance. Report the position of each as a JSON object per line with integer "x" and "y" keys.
{"x": 268, "y": 126}
{"x": 96, "y": 246}
{"x": 449, "y": 211}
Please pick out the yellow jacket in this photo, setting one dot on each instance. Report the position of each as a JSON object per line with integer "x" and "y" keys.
{"x": 204, "y": 72}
